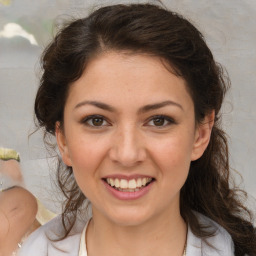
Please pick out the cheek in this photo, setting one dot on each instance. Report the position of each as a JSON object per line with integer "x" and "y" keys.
{"x": 86, "y": 155}
{"x": 173, "y": 150}
{"x": 85, "y": 162}
{"x": 173, "y": 157}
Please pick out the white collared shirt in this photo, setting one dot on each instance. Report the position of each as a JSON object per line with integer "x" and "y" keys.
{"x": 39, "y": 244}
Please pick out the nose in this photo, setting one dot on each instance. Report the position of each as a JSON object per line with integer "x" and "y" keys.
{"x": 127, "y": 147}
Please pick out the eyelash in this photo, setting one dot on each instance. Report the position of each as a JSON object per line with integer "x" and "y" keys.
{"x": 93, "y": 117}
{"x": 167, "y": 121}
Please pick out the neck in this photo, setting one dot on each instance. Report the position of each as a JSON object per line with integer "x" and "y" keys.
{"x": 162, "y": 235}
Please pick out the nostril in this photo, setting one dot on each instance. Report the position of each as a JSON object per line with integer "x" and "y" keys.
{"x": 127, "y": 151}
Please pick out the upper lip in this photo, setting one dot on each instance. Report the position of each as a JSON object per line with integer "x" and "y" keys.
{"x": 126, "y": 177}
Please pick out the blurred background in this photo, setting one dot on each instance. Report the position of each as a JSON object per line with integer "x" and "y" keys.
{"x": 26, "y": 27}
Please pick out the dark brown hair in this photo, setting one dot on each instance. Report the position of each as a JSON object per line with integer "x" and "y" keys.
{"x": 149, "y": 29}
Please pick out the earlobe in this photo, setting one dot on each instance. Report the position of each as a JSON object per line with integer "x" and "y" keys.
{"x": 202, "y": 136}
{"x": 62, "y": 144}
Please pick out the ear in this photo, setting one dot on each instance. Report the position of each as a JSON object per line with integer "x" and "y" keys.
{"x": 62, "y": 144}
{"x": 202, "y": 136}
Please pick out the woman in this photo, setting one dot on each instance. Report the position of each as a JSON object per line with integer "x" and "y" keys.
{"x": 133, "y": 95}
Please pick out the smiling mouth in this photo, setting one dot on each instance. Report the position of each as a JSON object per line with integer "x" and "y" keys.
{"x": 132, "y": 185}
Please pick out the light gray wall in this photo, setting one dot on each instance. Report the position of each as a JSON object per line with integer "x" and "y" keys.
{"x": 230, "y": 30}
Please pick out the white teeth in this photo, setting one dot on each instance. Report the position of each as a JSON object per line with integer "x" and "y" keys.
{"x": 128, "y": 186}
{"x": 117, "y": 184}
{"x": 124, "y": 183}
{"x": 139, "y": 183}
{"x": 112, "y": 182}
{"x": 132, "y": 184}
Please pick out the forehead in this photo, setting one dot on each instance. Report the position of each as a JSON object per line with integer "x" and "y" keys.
{"x": 118, "y": 78}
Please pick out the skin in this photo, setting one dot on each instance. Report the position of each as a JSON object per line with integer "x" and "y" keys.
{"x": 12, "y": 169}
{"x": 18, "y": 209}
{"x": 130, "y": 140}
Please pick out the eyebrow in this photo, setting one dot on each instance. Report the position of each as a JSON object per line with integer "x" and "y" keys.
{"x": 151, "y": 107}
{"x": 143, "y": 109}
{"x": 96, "y": 104}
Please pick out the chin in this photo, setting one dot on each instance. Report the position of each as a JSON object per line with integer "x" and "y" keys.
{"x": 129, "y": 217}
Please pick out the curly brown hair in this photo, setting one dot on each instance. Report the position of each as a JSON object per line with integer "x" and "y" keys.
{"x": 146, "y": 28}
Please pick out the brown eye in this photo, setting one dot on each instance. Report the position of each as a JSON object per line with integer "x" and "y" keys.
{"x": 97, "y": 121}
{"x": 159, "y": 121}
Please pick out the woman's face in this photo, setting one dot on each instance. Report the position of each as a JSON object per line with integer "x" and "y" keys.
{"x": 129, "y": 121}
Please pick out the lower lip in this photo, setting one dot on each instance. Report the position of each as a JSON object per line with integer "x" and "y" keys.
{"x": 128, "y": 195}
